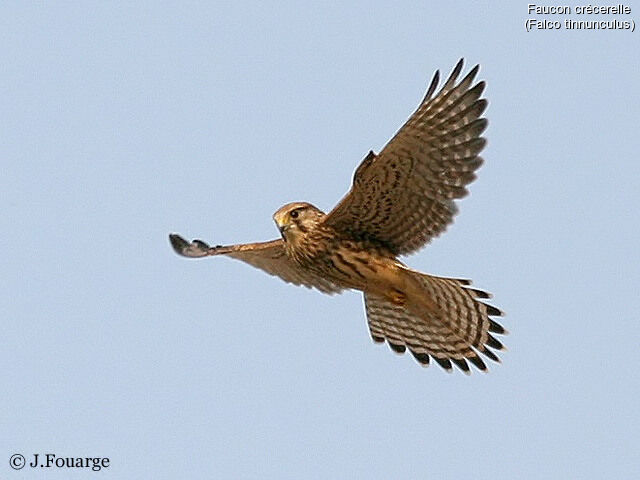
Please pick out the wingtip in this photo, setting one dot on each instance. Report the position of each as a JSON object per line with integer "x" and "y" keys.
{"x": 455, "y": 73}
{"x": 474, "y": 71}
{"x": 195, "y": 249}
{"x": 177, "y": 242}
{"x": 432, "y": 87}
{"x": 202, "y": 245}
{"x": 458, "y": 68}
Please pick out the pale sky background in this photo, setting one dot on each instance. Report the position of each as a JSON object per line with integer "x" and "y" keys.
{"x": 120, "y": 123}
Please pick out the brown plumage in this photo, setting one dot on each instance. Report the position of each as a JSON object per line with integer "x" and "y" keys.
{"x": 399, "y": 201}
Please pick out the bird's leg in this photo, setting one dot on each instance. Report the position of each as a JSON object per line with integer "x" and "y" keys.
{"x": 397, "y": 297}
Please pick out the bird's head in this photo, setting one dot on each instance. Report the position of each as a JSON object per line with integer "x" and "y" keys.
{"x": 295, "y": 219}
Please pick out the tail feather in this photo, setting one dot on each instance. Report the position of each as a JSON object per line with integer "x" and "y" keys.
{"x": 442, "y": 318}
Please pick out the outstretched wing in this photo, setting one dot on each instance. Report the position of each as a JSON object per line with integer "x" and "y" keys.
{"x": 404, "y": 196}
{"x": 268, "y": 256}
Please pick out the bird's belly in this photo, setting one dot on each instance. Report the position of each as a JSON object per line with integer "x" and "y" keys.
{"x": 360, "y": 270}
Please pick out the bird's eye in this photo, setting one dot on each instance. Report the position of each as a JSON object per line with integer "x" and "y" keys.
{"x": 294, "y": 214}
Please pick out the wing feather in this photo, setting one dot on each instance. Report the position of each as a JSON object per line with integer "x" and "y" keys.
{"x": 403, "y": 197}
{"x": 269, "y": 257}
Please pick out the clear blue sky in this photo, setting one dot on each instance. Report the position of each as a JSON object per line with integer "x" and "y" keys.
{"x": 120, "y": 123}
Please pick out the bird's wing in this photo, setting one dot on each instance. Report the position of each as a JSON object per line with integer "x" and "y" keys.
{"x": 404, "y": 196}
{"x": 267, "y": 256}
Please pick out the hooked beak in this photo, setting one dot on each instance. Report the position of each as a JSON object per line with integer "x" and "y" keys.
{"x": 281, "y": 223}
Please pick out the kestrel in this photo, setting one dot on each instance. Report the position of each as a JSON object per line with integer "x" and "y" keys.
{"x": 400, "y": 199}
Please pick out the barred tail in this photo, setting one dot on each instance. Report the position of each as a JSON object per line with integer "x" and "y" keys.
{"x": 442, "y": 318}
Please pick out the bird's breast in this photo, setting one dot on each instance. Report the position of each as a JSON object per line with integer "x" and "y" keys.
{"x": 348, "y": 263}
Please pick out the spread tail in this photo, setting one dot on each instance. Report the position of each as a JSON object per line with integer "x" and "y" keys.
{"x": 442, "y": 319}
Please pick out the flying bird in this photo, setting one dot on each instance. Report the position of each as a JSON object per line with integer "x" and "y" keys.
{"x": 401, "y": 198}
